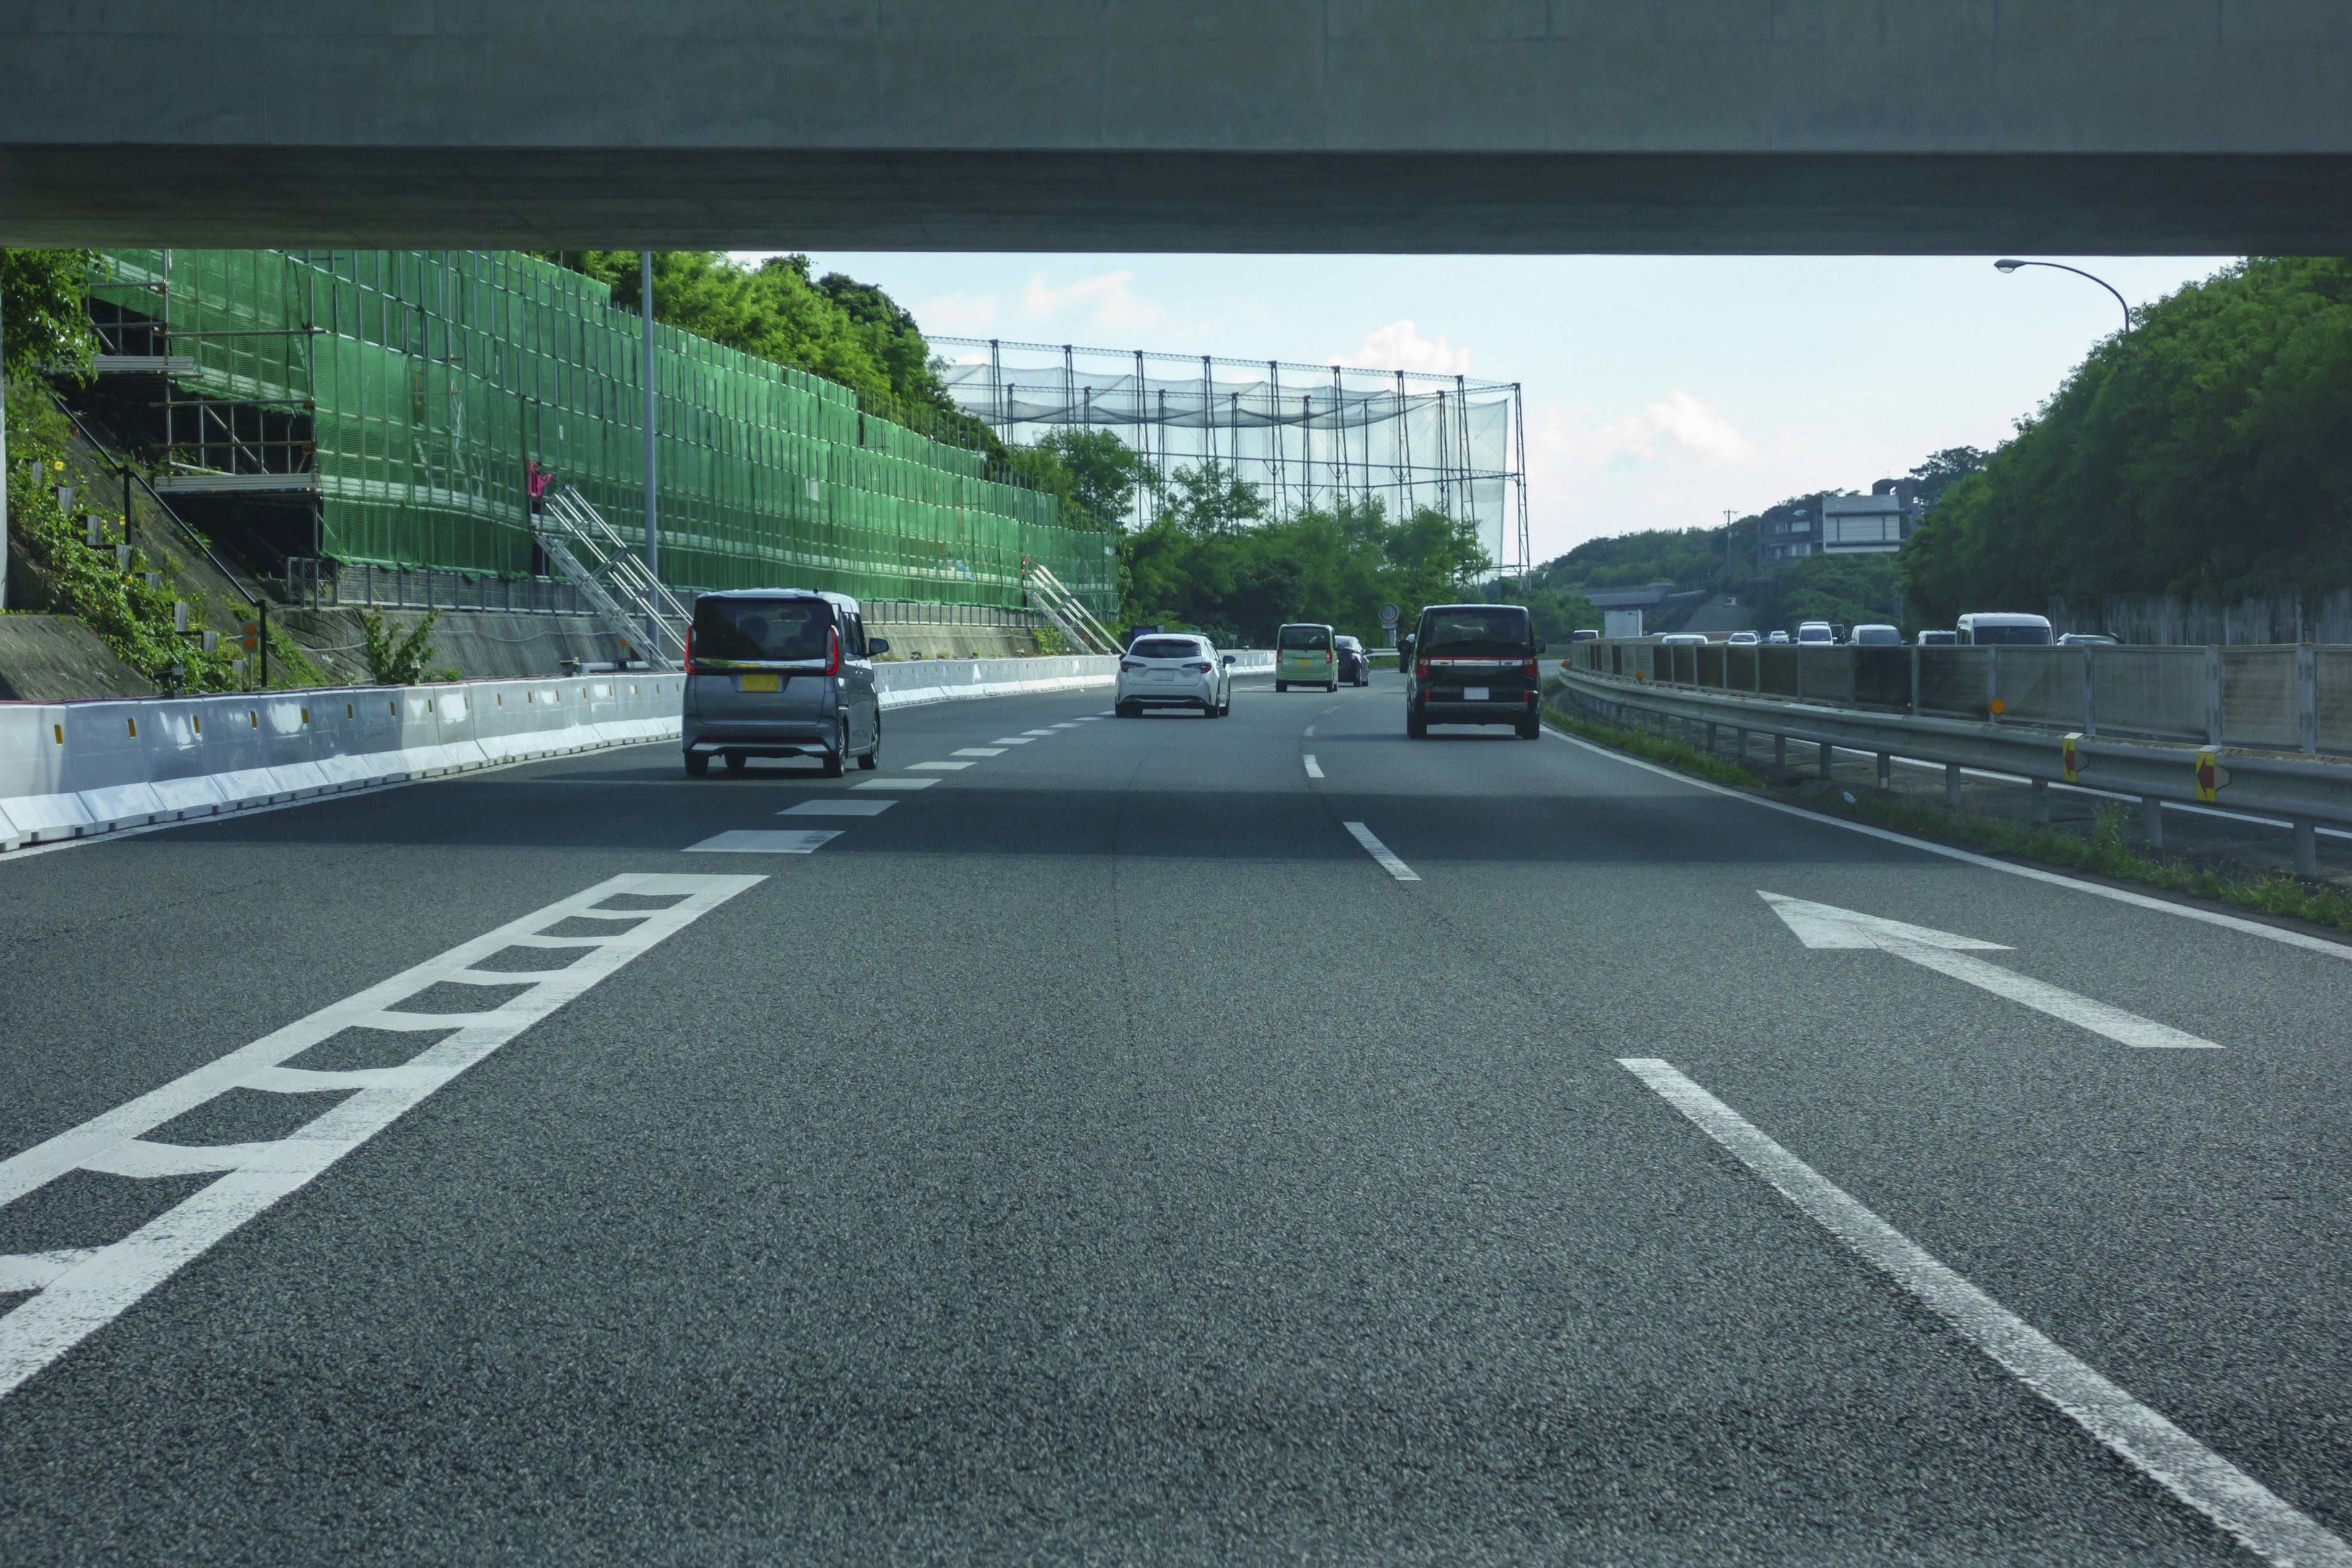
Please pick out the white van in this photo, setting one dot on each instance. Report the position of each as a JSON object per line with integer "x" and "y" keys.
{"x": 1981, "y": 628}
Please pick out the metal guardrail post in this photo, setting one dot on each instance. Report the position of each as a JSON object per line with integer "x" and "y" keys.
{"x": 1952, "y": 785}
{"x": 2090, "y": 691}
{"x": 2153, "y": 810}
{"x": 2306, "y": 697}
{"x": 2212, "y": 696}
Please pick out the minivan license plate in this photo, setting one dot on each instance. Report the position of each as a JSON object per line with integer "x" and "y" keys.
{"x": 1473, "y": 694}
{"x": 761, "y": 683}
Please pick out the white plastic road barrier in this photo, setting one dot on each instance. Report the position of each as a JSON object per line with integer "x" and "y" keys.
{"x": 70, "y": 770}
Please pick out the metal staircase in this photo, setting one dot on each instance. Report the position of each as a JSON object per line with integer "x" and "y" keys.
{"x": 1062, "y": 607}
{"x": 592, "y": 556}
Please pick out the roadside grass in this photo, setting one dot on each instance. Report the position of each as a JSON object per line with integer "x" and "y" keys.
{"x": 2106, "y": 850}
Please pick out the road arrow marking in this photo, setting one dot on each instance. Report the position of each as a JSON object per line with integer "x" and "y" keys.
{"x": 1826, "y": 926}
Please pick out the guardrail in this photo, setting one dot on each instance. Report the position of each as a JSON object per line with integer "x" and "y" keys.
{"x": 74, "y": 769}
{"x": 2293, "y": 697}
{"x": 2306, "y": 789}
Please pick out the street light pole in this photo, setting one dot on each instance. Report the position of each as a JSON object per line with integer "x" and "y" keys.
{"x": 2011, "y": 264}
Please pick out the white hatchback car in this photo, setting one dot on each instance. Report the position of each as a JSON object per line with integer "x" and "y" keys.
{"x": 1174, "y": 669}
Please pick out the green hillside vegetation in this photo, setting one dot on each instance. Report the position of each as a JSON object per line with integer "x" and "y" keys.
{"x": 2210, "y": 449}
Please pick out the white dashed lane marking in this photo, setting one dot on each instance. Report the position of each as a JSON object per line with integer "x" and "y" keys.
{"x": 764, "y": 841}
{"x": 1013, "y": 741}
{"x": 938, "y": 767}
{"x": 838, "y": 808}
{"x": 84, "y": 1288}
{"x": 896, "y": 784}
{"x": 1038, "y": 732}
{"x": 1381, "y": 853}
{"x": 979, "y": 751}
{"x": 1312, "y": 770}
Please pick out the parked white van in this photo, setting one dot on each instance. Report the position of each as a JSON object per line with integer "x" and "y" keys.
{"x": 1995, "y": 626}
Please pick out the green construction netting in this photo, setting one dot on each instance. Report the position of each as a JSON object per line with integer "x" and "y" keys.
{"x": 436, "y": 376}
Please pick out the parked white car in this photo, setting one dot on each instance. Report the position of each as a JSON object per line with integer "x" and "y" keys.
{"x": 1174, "y": 669}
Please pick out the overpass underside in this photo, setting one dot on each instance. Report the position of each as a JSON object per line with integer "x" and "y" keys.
{"x": 1013, "y": 199}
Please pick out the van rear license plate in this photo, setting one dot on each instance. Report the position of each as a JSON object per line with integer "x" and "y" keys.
{"x": 1473, "y": 694}
{"x": 761, "y": 683}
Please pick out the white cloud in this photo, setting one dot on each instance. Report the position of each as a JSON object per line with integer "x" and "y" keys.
{"x": 957, "y": 315}
{"x": 1104, "y": 301}
{"x": 1692, "y": 426}
{"x": 1400, "y": 346}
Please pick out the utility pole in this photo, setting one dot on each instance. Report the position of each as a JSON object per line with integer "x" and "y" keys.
{"x": 653, "y": 519}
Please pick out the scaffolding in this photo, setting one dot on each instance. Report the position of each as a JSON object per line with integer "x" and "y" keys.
{"x": 380, "y": 410}
{"x": 1308, "y": 436}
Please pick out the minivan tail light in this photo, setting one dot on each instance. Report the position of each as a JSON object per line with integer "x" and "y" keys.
{"x": 1421, "y": 669}
{"x": 689, "y": 647}
{"x": 1527, "y": 667}
{"x": 832, "y": 651}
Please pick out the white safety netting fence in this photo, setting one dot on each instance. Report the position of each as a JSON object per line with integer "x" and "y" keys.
{"x": 1307, "y": 436}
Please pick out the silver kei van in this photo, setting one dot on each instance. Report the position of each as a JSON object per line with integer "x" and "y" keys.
{"x": 780, "y": 673}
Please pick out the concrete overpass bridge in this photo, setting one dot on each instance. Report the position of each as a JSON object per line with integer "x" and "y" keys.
{"x": 1277, "y": 125}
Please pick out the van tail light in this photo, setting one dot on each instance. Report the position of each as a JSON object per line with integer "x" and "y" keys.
{"x": 689, "y": 647}
{"x": 1421, "y": 669}
{"x": 1528, "y": 668}
{"x": 832, "y": 651}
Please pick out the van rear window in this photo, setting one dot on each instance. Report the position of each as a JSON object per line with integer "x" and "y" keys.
{"x": 760, "y": 629}
{"x": 1313, "y": 639}
{"x": 2032, "y": 636}
{"x": 1500, "y": 629}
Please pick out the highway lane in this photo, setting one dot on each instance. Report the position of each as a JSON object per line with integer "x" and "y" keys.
{"x": 1096, "y": 1153}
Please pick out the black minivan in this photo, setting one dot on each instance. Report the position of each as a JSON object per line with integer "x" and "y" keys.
{"x": 781, "y": 672}
{"x": 1474, "y": 664}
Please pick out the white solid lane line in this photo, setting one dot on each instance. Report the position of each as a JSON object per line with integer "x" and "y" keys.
{"x": 93, "y": 1287}
{"x": 1314, "y": 770}
{"x": 937, "y": 767}
{"x": 765, "y": 841}
{"x": 2303, "y": 939}
{"x": 2263, "y": 1521}
{"x": 978, "y": 752}
{"x": 1381, "y": 853}
{"x": 1826, "y": 926}
{"x": 896, "y": 784}
{"x": 838, "y": 808}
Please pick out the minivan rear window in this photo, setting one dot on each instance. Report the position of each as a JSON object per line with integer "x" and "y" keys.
{"x": 1312, "y": 637}
{"x": 1166, "y": 648}
{"x": 2028, "y": 635}
{"x": 1500, "y": 629}
{"x": 760, "y": 629}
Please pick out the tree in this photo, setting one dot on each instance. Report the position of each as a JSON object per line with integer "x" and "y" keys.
{"x": 1212, "y": 499}
{"x": 2211, "y": 448}
{"x": 1942, "y": 470}
{"x": 44, "y": 314}
{"x": 1103, "y": 471}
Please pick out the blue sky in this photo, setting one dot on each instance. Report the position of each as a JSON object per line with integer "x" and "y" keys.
{"x": 1660, "y": 389}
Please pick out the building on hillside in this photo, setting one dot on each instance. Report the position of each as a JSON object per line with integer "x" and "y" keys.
{"x": 1827, "y": 524}
{"x": 1788, "y": 532}
{"x": 1876, "y": 523}
{"x": 339, "y": 415}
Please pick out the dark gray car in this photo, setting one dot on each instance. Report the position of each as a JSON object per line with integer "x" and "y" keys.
{"x": 781, "y": 672}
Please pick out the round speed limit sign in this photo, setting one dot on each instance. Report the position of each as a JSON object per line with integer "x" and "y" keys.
{"x": 1388, "y": 615}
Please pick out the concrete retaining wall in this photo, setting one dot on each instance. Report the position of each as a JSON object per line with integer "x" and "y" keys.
{"x": 72, "y": 769}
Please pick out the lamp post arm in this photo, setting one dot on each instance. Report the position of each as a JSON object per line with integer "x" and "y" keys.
{"x": 2120, "y": 301}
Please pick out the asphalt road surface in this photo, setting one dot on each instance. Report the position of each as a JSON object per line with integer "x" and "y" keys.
{"x": 1261, "y": 1140}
